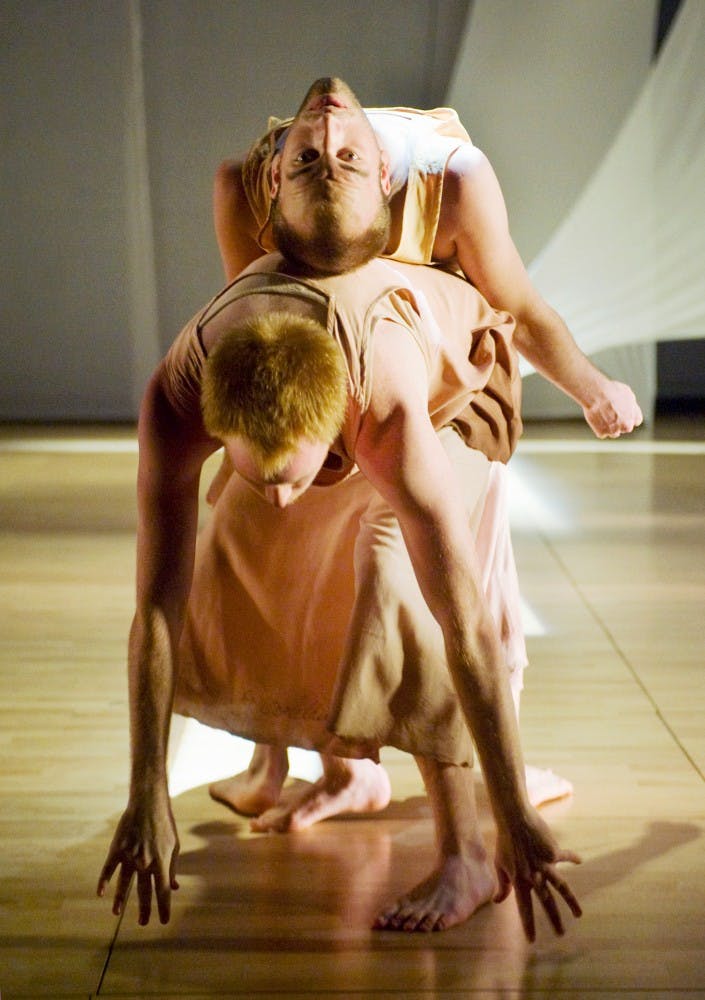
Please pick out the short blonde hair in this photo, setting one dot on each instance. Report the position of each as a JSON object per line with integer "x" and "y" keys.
{"x": 273, "y": 380}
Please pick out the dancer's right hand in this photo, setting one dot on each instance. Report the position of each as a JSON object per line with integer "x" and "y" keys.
{"x": 146, "y": 844}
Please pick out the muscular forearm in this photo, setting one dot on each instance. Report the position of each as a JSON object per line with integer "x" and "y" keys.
{"x": 171, "y": 457}
{"x": 445, "y": 564}
{"x": 484, "y": 694}
{"x": 151, "y": 686}
{"x": 165, "y": 554}
{"x": 475, "y": 230}
{"x": 401, "y": 454}
{"x": 480, "y": 679}
{"x": 172, "y": 452}
{"x": 545, "y": 341}
{"x": 609, "y": 407}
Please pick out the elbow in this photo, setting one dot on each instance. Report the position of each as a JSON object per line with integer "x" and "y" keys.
{"x": 227, "y": 184}
{"x": 525, "y": 333}
{"x": 227, "y": 171}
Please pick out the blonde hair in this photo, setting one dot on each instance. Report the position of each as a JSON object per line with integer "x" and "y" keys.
{"x": 273, "y": 380}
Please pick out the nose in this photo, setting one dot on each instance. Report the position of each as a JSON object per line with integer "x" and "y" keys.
{"x": 332, "y": 138}
{"x": 279, "y": 495}
{"x": 329, "y": 128}
{"x": 327, "y": 100}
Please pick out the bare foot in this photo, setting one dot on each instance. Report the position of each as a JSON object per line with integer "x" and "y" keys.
{"x": 258, "y": 788}
{"x": 346, "y": 786}
{"x": 447, "y": 897}
{"x": 545, "y": 786}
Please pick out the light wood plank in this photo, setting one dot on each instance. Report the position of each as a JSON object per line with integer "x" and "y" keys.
{"x": 612, "y": 565}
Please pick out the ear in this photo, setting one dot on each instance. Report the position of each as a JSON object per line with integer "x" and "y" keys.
{"x": 385, "y": 177}
{"x": 275, "y": 175}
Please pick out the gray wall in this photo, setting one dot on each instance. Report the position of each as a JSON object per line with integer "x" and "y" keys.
{"x": 544, "y": 87}
{"x": 64, "y": 295}
{"x": 115, "y": 114}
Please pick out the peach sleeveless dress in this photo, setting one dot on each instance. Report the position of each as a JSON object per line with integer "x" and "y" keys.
{"x": 306, "y": 626}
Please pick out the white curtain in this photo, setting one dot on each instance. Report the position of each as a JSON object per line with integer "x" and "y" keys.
{"x": 627, "y": 265}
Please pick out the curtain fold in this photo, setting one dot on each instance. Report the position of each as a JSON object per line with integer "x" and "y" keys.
{"x": 627, "y": 265}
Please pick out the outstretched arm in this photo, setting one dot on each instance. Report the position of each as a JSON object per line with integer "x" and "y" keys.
{"x": 401, "y": 454}
{"x": 475, "y": 229}
{"x": 172, "y": 452}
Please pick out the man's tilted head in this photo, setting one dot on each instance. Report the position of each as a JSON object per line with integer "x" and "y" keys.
{"x": 330, "y": 184}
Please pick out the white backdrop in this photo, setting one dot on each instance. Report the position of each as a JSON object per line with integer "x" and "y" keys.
{"x": 627, "y": 264}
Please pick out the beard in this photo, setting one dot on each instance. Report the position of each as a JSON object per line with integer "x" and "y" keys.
{"x": 328, "y": 244}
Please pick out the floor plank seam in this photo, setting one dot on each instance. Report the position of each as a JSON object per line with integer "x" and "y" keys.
{"x": 631, "y": 669}
{"x": 111, "y": 946}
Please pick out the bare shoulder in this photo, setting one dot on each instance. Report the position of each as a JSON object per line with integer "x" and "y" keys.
{"x": 398, "y": 391}
{"x": 466, "y": 161}
{"x": 228, "y": 183}
{"x": 472, "y": 207}
{"x": 399, "y": 374}
{"x": 390, "y": 427}
{"x": 168, "y": 436}
{"x": 469, "y": 174}
{"x": 397, "y": 448}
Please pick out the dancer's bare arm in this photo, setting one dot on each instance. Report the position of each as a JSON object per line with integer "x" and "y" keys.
{"x": 401, "y": 454}
{"x": 474, "y": 228}
{"x": 172, "y": 452}
{"x": 235, "y": 226}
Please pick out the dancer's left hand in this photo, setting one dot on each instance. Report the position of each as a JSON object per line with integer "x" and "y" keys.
{"x": 613, "y": 411}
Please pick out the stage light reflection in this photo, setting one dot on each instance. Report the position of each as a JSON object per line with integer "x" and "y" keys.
{"x": 535, "y": 500}
{"x": 199, "y": 755}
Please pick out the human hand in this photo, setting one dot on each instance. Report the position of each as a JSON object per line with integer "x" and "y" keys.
{"x": 615, "y": 411}
{"x": 526, "y": 861}
{"x": 146, "y": 844}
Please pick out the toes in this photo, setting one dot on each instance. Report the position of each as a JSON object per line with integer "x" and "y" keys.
{"x": 397, "y": 920}
{"x": 426, "y": 923}
{"x": 390, "y": 920}
{"x": 270, "y": 823}
{"x": 404, "y": 917}
{"x": 408, "y": 920}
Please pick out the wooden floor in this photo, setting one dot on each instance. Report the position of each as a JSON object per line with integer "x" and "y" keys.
{"x": 610, "y": 542}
